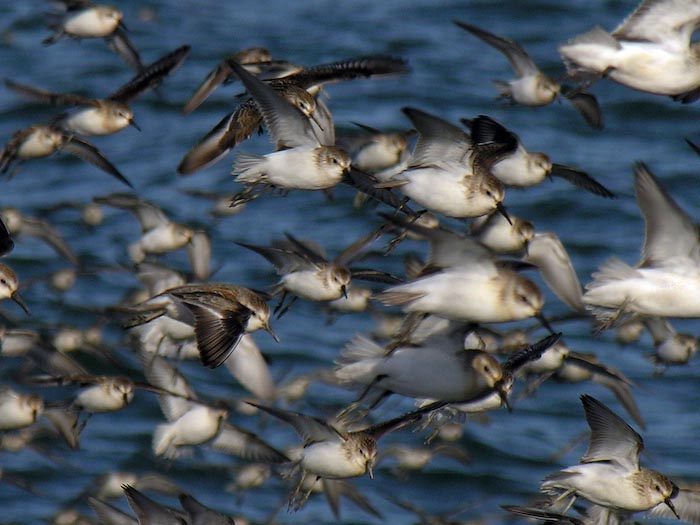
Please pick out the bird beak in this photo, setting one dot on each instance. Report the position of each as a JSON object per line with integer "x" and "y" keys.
{"x": 526, "y": 247}
{"x": 668, "y": 502}
{"x": 344, "y": 290}
{"x": 316, "y": 122}
{"x": 503, "y": 394}
{"x": 502, "y": 210}
{"x": 16, "y": 297}
{"x": 543, "y": 321}
{"x": 133, "y": 123}
{"x": 271, "y": 332}
{"x": 371, "y": 473}
{"x": 502, "y": 389}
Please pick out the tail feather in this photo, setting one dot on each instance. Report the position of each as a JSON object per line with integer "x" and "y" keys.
{"x": 248, "y": 168}
{"x": 613, "y": 269}
{"x": 597, "y": 35}
{"x": 397, "y": 297}
{"x": 504, "y": 89}
{"x": 556, "y": 482}
{"x": 358, "y": 361}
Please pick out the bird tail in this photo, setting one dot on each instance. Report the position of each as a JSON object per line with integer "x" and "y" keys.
{"x": 248, "y": 168}
{"x": 358, "y": 361}
{"x": 556, "y": 482}
{"x": 613, "y": 269}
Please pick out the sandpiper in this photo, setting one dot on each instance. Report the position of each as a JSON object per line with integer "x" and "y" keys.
{"x": 651, "y": 50}
{"x": 609, "y": 473}
{"x": 103, "y": 116}
{"x": 532, "y": 87}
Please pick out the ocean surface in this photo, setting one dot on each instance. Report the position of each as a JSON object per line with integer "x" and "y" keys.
{"x": 451, "y": 74}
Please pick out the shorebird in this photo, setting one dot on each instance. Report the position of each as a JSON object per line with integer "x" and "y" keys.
{"x": 160, "y": 234}
{"x": 307, "y": 272}
{"x": 666, "y": 282}
{"x": 460, "y": 269}
{"x": 20, "y": 224}
{"x": 9, "y": 286}
{"x": 651, "y": 50}
{"x": 298, "y": 89}
{"x": 103, "y": 116}
{"x": 257, "y": 60}
{"x": 519, "y": 167}
{"x": 18, "y": 410}
{"x": 333, "y": 453}
{"x": 532, "y": 87}
{"x": 444, "y": 174}
{"x": 41, "y": 140}
{"x": 217, "y": 314}
{"x": 437, "y": 368}
{"x": 83, "y": 19}
{"x": 609, "y": 473}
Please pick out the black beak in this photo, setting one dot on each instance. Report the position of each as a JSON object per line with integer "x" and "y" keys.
{"x": 668, "y": 502}
{"x": 502, "y": 210}
{"x": 543, "y": 321}
{"x": 18, "y": 299}
{"x": 503, "y": 394}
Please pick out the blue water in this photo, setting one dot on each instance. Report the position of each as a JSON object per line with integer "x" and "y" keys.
{"x": 451, "y": 74}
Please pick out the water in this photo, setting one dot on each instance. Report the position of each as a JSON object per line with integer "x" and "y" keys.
{"x": 451, "y": 73}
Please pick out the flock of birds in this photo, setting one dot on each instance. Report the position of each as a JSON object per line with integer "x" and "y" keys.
{"x": 437, "y": 341}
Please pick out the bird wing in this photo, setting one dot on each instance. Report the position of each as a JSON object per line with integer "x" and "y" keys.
{"x": 521, "y": 62}
{"x": 151, "y": 76}
{"x": 287, "y": 125}
{"x": 667, "y": 22}
{"x": 438, "y": 140}
{"x": 671, "y": 236}
{"x": 612, "y": 439}
{"x": 312, "y": 429}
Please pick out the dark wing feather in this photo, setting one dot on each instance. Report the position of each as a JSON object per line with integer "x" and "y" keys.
{"x": 83, "y": 149}
{"x": 366, "y": 184}
{"x": 581, "y": 179}
{"x": 239, "y": 442}
{"x": 312, "y": 429}
{"x": 489, "y": 135}
{"x": 214, "y": 79}
{"x": 49, "y": 97}
{"x": 119, "y": 42}
{"x": 358, "y": 67}
{"x": 151, "y": 76}
{"x": 531, "y": 353}
{"x": 217, "y": 332}
{"x": 211, "y": 148}
{"x": 586, "y": 104}
{"x": 6, "y": 242}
